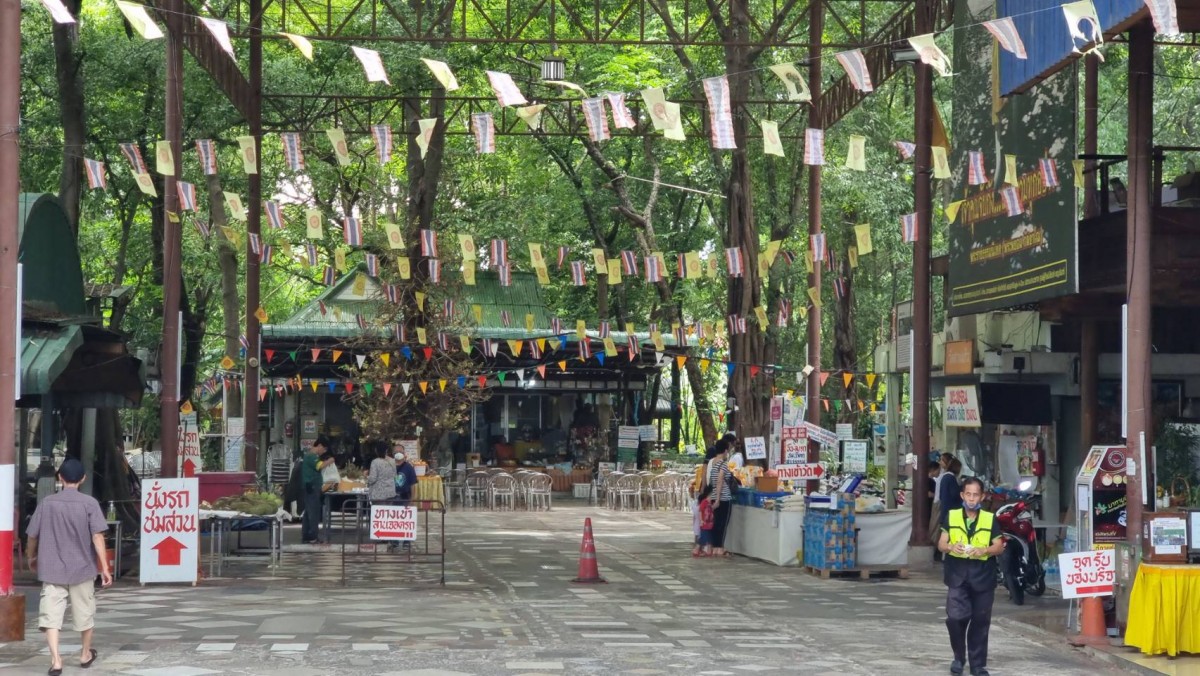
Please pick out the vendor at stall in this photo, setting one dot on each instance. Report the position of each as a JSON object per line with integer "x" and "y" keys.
{"x": 406, "y": 477}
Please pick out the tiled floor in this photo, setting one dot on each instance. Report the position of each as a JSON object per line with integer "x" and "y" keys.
{"x": 509, "y": 608}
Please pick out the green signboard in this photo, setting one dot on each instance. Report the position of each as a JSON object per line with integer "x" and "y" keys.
{"x": 998, "y": 260}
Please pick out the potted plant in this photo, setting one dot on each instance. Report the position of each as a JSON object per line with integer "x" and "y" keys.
{"x": 1175, "y": 462}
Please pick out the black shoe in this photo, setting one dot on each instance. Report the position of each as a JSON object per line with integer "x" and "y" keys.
{"x": 956, "y": 667}
{"x": 981, "y": 671}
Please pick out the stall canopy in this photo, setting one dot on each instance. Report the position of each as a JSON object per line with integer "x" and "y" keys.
{"x": 1015, "y": 404}
{"x": 65, "y": 352}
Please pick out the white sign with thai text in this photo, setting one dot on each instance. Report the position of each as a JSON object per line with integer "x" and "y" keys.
{"x": 962, "y": 407}
{"x": 803, "y": 472}
{"x": 854, "y": 455}
{"x": 170, "y": 531}
{"x": 398, "y": 524}
{"x": 189, "y": 445}
{"x": 1087, "y": 573}
{"x": 756, "y": 448}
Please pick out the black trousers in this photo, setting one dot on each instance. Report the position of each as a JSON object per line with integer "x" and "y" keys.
{"x": 311, "y": 522}
{"x": 969, "y": 619}
{"x": 721, "y": 516}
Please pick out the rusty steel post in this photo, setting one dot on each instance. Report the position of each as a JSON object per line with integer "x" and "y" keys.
{"x": 816, "y": 26}
{"x": 172, "y": 270}
{"x": 254, "y": 226}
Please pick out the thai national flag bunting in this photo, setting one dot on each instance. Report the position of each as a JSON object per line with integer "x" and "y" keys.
{"x": 653, "y": 274}
{"x": 435, "y": 271}
{"x": 562, "y": 255}
{"x": 329, "y": 276}
{"x": 187, "y": 196}
{"x": 578, "y": 273}
{"x": 817, "y": 243}
{"x": 429, "y": 247}
{"x": 208, "y": 156}
{"x": 274, "y": 217}
{"x": 814, "y": 147}
{"x": 906, "y": 149}
{"x": 311, "y": 250}
{"x": 604, "y": 329}
{"x": 1049, "y": 173}
{"x": 133, "y": 155}
{"x": 855, "y": 66}
{"x": 352, "y": 231}
{"x": 372, "y": 265}
{"x": 499, "y": 252}
{"x": 505, "y": 274}
{"x": 733, "y": 262}
{"x": 383, "y": 142}
{"x": 976, "y": 174}
{"x": 255, "y": 243}
{"x": 95, "y": 174}
{"x": 1012, "y": 200}
{"x": 292, "y": 154}
{"x": 629, "y": 263}
{"x": 597, "y": 122}
{"x": 908, "y": 228}
{"x": 720, "y": 112}
{"x": 1005, "y": 32}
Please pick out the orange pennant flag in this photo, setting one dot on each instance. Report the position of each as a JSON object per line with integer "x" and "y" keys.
{"x": 847, "y": 378}
{"x": 681, "y": 360}
{"x": 826, "y": 402}
{"x": 337, "y": 354}
{"x": 562, "y": 365}
{"x": 824, "y": 377}
{"x": 541, "y": 370}
{"x": 861, "y": 405}
{"x": 424, "y": 386}
{"x": 387, "y": 387}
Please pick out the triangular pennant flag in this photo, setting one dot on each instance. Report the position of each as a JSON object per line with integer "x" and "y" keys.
{"x": 729, "y": 367}
{"x": 361, "y": 359}
{"x": 406, "y": 387}
{"x": 501, "y": 376}
{"x": 541, "y": 369}
{"x": 270, "y": 355}
{"x": 314, "y": 385}
{"x": 824, "y": 377}
{"x": 386, "y": 358}
{"x": 368, "y": 388}
{"x": 424, "y": 386}
{"x": 337, "y": 354}
{"x": 847, "y": 378}
{"x": 754, "y": 369}
{"x": 442, "y": 384}
{"x": 428, "y": 351}
{"x": 600, "y": 358}
{"x": 316, "y": 354}
{"x": 680, "y": 360}
{"x": 871, "y": 381}
{"x": 562, "y": 365}
{"x": 387, "y": 389}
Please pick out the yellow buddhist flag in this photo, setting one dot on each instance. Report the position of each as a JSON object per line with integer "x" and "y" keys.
{"x": 301, "y": 43}
{"x": 339, "y": 260}
{"x": 1010, "y": 169}
{"x": 721, "y": 326}
{"x": 772, "y": 250}
{"x": 629, "y": 328}
{"x": 227, "y": 363}
{"x": 803, "y": 311}
{"x": 535, "y": 255}
{"x": 421, "y": 335}
{"x": 464, "y": 342}
{"x": 761, "y": 313}
{"x": 691, "y": 261}
{"x": 1080, "y": 177}
{"x": 771, "y": 143}
{"x": 467, "y": 244}
{"x": 146, "y": 184}
{"x": 657, "y": 338}
{"x": 232, "y": 236}
{"x": 529, "y": 322}
{"x": 610, "y": 347}
{"x": 764, "y": 265}
{"x": 386, "y": 358}
{"x": 468, "y": 272}
{"x": 808, "y": 262}
{"x": 360, "y": 285}
{"x": 580, "y": 329}
{"x": 248, "y": 149}
{"x": 404, "y": 267}
{"x": 234, "y": 206}
{"x": 337, "y": 138}
{"x": 852, "y": 255}
{"x": 662, "y": 263}
{"x": 862, "y": 238}
{"x": 543, "y": 275}
{"x": 442, "y": 72}
{"x": 814, "y": 294}
{"x": 164, "y": 159}
{"x": 312, "y": 223}
{"x": 600, "y": 261}
{"x": 614, "y": 271}
{"x": 952, "y": 210}
{"x": 477, "y": 313}
{"x": 420, "y": 300}
{"x": 261, "y": 315}
{"x": 941, "y": 165}
{"x": 856, "y": 153}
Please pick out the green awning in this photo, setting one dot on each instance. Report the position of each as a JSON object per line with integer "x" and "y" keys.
{"x": 45, "y": 354}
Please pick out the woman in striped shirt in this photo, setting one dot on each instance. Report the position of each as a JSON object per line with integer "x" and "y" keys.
{"x": 723, "y": 483}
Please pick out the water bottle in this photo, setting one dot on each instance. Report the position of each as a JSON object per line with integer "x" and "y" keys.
{"x": 112, "y": 511}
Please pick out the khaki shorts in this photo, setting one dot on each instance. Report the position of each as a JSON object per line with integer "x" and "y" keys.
{"x": 53, "y": 605}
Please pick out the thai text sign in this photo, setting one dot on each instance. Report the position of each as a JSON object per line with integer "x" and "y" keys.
{"x": 189, "y": 445}
{"x": 170, "y": 531}
{"x": 803, "y": 472}
{"x": 1087, "y": 573}
{"x": 756, "y": 448}
{"x": 962, "y": 407}
{"x": 795, "y": 445}
{"x": 393, "y": 523}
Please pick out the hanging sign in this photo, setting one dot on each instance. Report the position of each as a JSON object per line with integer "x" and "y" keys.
{"x": 844, "y": 431}
{"x": 170, "y": 531}
{"x": 396, "y": 524}
{"x": 756, "y": 448}
{"x": 647, "y": 433}
{"x": 1087, "y": 573}
{"x": 628, "y": 436}
{"x": 962, "y": 407}
{"x": 821, "y": 435}
{"x": 189, "y": 445}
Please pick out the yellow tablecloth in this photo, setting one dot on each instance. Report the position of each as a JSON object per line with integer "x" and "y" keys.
{"x": 1164, "y": 610}
{"x": 429, "y": 487}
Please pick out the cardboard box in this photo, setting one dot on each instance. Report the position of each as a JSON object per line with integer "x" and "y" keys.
{"x": 345, "y": 486}
{"x": 767, "y": 484}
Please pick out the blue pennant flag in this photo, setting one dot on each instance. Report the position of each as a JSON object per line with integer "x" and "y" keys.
{"x": 462, "y": 382}
{"x": 600, "y": 358}
{"x": 730, "y": 366}
{"x": 407, "y": 352}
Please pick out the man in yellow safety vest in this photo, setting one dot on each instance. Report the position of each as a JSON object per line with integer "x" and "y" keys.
{"x": 971, "y": 539}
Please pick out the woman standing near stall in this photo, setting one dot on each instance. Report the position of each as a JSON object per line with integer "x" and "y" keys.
{"x": 723, "y": 483}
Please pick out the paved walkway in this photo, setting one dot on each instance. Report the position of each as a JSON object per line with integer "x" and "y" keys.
{"x": 509, "y": 608}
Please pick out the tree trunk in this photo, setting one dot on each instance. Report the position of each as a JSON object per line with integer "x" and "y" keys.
{"x": 845, "y": 347}
{"x": 70, "y": 109}
{"x": 231, "y": 305}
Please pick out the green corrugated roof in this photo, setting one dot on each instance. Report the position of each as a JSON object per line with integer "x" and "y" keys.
{"x": 45, "y": 354}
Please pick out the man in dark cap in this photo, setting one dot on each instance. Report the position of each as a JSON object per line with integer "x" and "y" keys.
{"x": 66, "y": 548}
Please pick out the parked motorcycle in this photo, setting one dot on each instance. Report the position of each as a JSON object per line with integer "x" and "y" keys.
{"x": 1020, "y": 570}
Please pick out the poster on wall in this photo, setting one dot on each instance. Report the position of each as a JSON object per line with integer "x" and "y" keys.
{"x": 1014, "y": 238}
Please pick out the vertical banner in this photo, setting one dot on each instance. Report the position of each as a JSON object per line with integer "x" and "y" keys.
{"x": 170, "y": 532}
{"x": 1005, "y": 250}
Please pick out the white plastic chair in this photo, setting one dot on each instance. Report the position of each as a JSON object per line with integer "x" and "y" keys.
{"x": 606, "y": 486}
{"x": 540, "y": 491}
{"x": 662, "y": 489}
{"x": 476, "y": 488}
{"x": 629, "y": 491}
{"x": 504, "y": 489}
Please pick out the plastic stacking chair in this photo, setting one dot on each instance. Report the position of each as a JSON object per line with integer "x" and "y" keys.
{"x": 539, "y": 491}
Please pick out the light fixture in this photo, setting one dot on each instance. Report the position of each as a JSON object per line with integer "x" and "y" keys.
{"x": 553, "y": 67}
{"x": 905, "y": 55}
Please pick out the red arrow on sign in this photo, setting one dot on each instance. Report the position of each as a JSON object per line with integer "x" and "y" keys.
{"x": 189, "y": 468}
{"x": 168, "y": 551}
{"x": 793, "y": 472}
{"x": 391, "y": 535}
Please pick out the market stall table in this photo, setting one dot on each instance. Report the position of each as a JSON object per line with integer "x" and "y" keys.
{"x": 883, "y": 537}
{"x": 220, "y": 522}
{"x": 766, "y": 534}
{"x": 327, "y": 506}
{"x": 429, "y": 488}
{"x": 1164, "y": 609}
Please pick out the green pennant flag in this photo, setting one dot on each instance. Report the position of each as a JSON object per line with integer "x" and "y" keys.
{"x": 501, "y": 376}
{"x": 292, "y": 354}
{"x": 369, "y": 387}
{"x": 837, "y": 405}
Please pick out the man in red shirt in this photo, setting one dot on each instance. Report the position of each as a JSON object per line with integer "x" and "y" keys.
{"x": 66, "y": 548}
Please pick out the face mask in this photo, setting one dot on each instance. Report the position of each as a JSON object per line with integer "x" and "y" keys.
{"x": 972, "y": 505}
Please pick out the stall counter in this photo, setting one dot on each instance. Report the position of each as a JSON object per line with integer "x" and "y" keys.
{"x": 765, "y": 534}
{"x": 883, "y": 537}
{"x": 1164, "y": 609}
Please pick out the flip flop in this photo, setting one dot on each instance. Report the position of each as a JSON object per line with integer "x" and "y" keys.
{"x": 85, "y": 665}
{"x": 55, "y": 672}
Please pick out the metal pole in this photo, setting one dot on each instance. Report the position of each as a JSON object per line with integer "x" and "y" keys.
{"x": 1139, "y": 239}
{"x": 1091, "y": 126}
{"x": 12, "y": 606}
{"x": 254, "y": 226}
{"x": 816, "y": 27}
{"x": 172, "y": 276}
{"x": 922, "y": 356}
{"x": 1089, "y": 376}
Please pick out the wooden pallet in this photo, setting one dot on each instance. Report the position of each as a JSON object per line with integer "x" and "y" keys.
{"x": 862, "y": 572}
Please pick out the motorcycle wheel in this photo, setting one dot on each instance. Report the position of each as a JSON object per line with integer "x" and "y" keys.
{"x": 1037, "y": 580}
{"x": 1008, "y": 562}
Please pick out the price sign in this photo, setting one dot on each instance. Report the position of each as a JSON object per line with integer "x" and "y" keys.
{"x": 393, "y": 523}
{"x": 854, "y": 455}
{"x": 1087, "y": 573}
{"x": 803, "y": 472}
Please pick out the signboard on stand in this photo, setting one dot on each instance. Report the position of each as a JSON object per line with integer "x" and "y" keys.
{"x": 396, "y": 524}
{"x": 235, "y": 440}
{"x": 854, "y": 455}
{"x": 189, "y": 445}
{"x": 844, "y": 431}
{"x": 756, "y": 448}
{"x": 795, "y": 445}
{"x": 170, "y": 531}
{"x": 647, "y": 433}
{"x": 1087, "y": 573}
{"x": 628, "y": 440}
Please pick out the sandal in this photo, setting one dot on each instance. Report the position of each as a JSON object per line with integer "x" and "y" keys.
{"x": 55, "y": 672}
{"x": 85, "y": 665}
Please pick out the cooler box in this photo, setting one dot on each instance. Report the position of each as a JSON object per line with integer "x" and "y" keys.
{"x": 217, "y": 485}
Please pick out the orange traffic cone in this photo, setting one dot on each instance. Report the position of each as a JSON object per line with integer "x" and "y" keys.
{"x": 589, "y": 570}
{"x": 1094, "y": 630}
